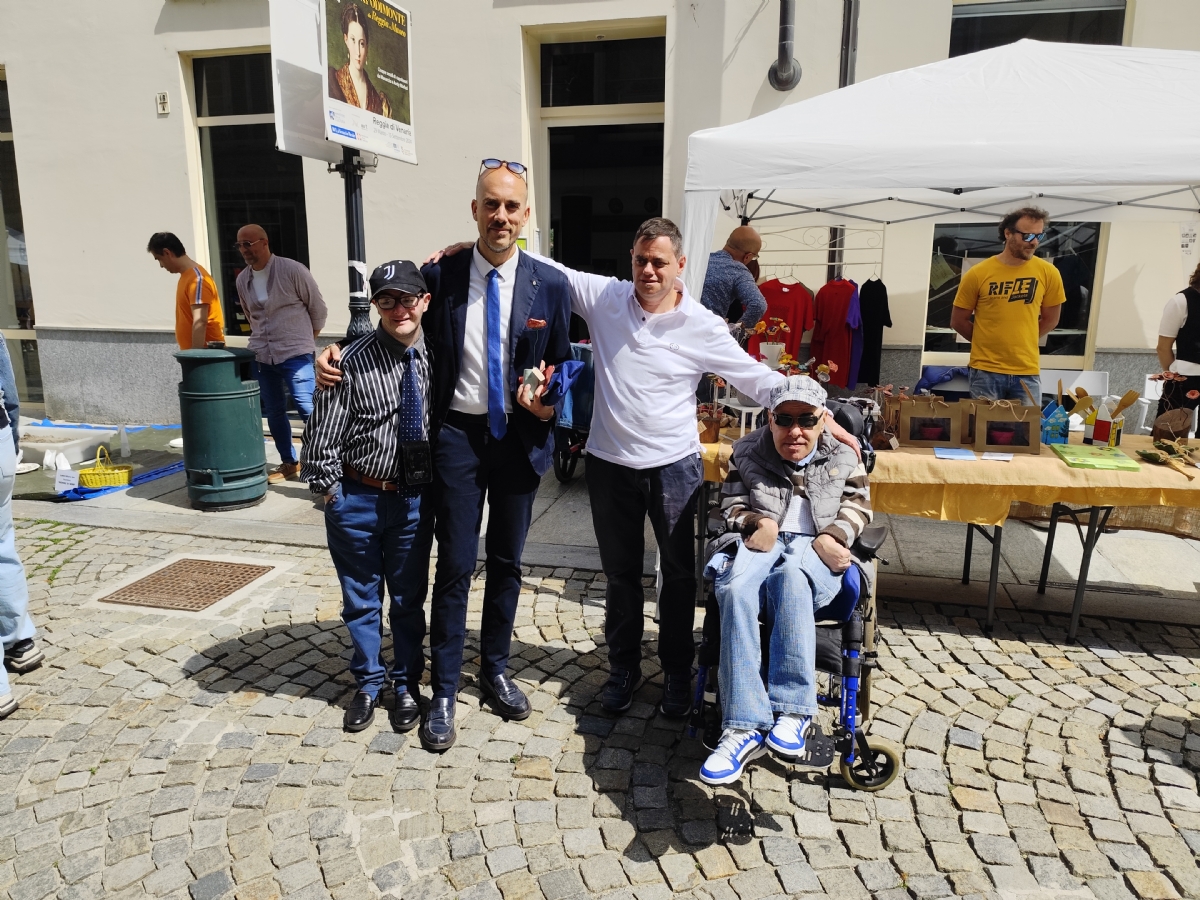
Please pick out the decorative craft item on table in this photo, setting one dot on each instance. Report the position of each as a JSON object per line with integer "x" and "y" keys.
{"x": 1161, "y": 458}
{"x": 927, "y": 420}
{"x": 1056, "y": 420}
{"x": 1109, "y": 421}
{"x": 710, "y": 419}
{"x": 820, "y": 372}
{"x": 772, "y": 353}
{"x": 1003, "y": 426}
{"x": 966, "y": 411}
{"x": 1173, "y": 425}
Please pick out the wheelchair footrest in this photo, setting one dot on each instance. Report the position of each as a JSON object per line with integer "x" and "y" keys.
{"x": 819, "y": 750}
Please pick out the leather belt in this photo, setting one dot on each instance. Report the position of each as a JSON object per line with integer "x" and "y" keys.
{"x": 462, "y": 420}
{"x": 350, "y": 472}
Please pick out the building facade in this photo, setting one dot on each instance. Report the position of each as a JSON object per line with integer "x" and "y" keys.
{"x": 156, "y": 115}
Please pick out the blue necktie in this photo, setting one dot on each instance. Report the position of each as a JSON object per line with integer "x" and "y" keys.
{"x": 497, "y": 421}
{"x": 412, "y": 412}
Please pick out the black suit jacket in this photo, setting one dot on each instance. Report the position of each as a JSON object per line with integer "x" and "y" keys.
{"x": 540, "y": 294}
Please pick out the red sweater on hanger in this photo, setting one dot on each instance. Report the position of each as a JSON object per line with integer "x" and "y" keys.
{"x": 833, "y": 335}
{"x": 794, "y": 305}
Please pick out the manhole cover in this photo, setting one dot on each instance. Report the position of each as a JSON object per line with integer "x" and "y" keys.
{"x": 187, "y": 584}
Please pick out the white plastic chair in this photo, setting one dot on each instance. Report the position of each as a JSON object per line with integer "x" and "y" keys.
{"x": 745, "y": 410}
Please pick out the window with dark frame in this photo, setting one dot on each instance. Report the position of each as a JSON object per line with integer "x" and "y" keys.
{"x": 246, "y": 180}
{"x": 592, "y": 73}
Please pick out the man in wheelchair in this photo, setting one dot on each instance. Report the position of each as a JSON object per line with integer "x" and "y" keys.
{"x": 794, "y": 503}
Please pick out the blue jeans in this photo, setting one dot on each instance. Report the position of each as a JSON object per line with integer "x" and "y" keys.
{"x": 995, "y": 386}
{"x": 15, "y": 624}
{"x": 784, "y": 587}
{"x": 379, "y": 540}
{"x": 299, "y": 378}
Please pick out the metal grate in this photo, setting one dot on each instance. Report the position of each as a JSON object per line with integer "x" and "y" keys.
{"x": 187, "y": 584}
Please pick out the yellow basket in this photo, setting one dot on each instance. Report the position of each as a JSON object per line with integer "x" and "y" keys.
{"x": 104, "y": 473}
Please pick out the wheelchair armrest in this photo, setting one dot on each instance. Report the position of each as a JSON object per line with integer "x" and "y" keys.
{"x": 715, "y": 526}
{"x": 870, "y": 541}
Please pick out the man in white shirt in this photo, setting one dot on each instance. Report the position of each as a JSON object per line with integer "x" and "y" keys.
{"x": 1179, "y": 347}
{"x": 652, "y": 342}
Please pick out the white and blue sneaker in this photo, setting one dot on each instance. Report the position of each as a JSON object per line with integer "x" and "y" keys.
{"x": 786, "y": 739}
{"x": 735, "y": 749}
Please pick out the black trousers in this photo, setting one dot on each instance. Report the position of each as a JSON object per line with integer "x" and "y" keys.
{"x": 1175, "y": 395}
{"x": 621, "y": 498}
{"x": 470, "y": 465}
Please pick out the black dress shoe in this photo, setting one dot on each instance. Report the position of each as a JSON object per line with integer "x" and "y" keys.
{"x": 406, "y": 713}
{"x": 360, "y": 713}
{"x": 617, "y": 696}
{"x": 437, "y": 731}
{"x": 677, "y": 694}
{"x": 506, "y": 698}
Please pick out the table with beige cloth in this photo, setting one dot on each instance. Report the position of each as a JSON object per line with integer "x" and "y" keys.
{"x": 982, "y": 493}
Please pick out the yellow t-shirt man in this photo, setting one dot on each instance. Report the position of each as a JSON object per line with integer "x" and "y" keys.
{"x": 195, "y": 288}
{"x": 1008, "y": 302}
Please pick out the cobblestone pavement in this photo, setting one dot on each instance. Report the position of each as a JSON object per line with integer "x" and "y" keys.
{"x": 202, "y": 757}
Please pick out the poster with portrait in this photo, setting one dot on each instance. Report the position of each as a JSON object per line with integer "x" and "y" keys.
{"x": 368, "y": 97}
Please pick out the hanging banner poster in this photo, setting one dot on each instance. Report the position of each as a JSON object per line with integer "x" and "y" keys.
{"x": 368, "y": 98}
{"x": 1188, "y": 233}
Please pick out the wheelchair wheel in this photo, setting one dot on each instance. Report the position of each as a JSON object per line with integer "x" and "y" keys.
{"x": 872, "y": 770}
{"x": 564, "y": 465}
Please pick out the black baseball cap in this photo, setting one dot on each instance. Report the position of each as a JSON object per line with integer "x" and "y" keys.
{"x": 398, "y": 275}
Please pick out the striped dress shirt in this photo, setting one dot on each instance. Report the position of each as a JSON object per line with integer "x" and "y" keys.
{"x": 357, "y": 422}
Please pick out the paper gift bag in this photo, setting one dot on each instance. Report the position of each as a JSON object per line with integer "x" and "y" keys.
{"x": 1004, "y": 426}
{"x": 929, "y": 421}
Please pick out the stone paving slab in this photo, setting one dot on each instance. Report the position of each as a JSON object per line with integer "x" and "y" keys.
{"x": 160, "y": 756}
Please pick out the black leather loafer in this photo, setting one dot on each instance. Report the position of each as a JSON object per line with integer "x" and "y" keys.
{"x": 506, "y": 698}
{"x": 617, "y": 695}
{"x": 406, "y": 713}
{"x": 360, "y": 713}
{"x": 437, "y": 731}
{"x": 677, "y": 694}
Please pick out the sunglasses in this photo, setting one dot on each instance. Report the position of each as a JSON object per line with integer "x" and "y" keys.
{"x": 1030, "y": 236}
{"x": 808, "y": 420}
{"x": 515, "y": 167}
{"x": 389, "y": 301}
{"x": 246, "y": 245}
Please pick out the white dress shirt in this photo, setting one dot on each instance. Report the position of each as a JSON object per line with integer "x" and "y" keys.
{"x": 648, "y": 366}
{"x": 471, "y": 390}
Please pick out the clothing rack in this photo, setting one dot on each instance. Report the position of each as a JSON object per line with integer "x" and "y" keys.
{"x": 833, "y": 243}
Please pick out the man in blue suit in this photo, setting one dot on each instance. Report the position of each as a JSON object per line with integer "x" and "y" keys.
{"x": 495, "y": 312}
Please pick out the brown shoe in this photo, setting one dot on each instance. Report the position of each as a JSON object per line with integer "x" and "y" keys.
{"x": 285, "y": 472}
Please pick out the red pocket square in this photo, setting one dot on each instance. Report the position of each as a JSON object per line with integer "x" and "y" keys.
{"x": 535, "y": 323}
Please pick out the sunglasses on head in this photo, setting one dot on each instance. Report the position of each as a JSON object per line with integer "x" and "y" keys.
{"x": 1030, "y": 236}
{"x": 515, "y": 167}
{"x": 389, "y": 301}
{"x": 807, "y": 420}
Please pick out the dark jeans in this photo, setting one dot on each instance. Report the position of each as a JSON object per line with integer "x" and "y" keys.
{"x": 470, "y": 465}
{"x": 621, "y": 499}
{"x": 380, "y": 541}
{"x": 1175, "y": 395}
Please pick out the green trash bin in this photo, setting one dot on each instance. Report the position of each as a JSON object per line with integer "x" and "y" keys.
{"x": 223, "y": 449}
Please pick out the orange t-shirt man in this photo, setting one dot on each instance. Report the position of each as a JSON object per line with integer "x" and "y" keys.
{"x": 196, "y": 288}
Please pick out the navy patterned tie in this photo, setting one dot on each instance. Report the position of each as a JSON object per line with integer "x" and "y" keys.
{"x": 412, "y": 412}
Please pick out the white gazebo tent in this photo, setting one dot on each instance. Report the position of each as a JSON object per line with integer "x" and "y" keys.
{"x": 1091, "y": 133}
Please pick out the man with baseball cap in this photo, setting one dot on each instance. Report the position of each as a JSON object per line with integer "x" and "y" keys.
{"x": 366, "y": 449}
{"x": 795, "y": 502}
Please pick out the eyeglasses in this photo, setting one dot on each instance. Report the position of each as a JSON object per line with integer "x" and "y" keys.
{"x": 808, "y": 420}
{"x": 389, "y": 301}
{"x": 515, "y": 167}
{"x": 246, "y": 245}
{"x": 1030, "y": 236}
